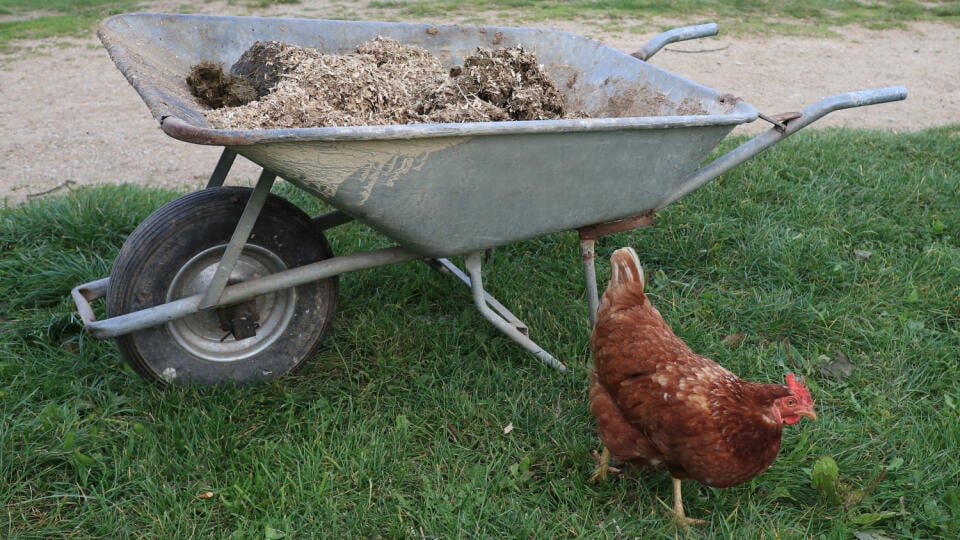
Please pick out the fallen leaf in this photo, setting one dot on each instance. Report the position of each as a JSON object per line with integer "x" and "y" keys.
{"x": 734, "y": 340}
{"x": 839, "y": 368}
{"x": 205, "y": 495}
{"x": 853, "y": 497}
{"x": 862, "y": 254}
{"x": 780, "y": 492}
{"x": 860, "y": 535}
{"x": 508, "y": 429}
{"x": 269, "y": 533}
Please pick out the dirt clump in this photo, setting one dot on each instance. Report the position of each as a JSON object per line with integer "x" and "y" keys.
{"x": 386, "y": 82}
{"x": 262, "y": 65}
{"x": 216, "y": 88}
{"x": 507, "y": 83}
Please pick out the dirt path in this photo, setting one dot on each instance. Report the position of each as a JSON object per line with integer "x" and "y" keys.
{"x": 69, "y": 118}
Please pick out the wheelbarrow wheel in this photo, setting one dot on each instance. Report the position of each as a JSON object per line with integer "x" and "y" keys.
{"x": 174, "y": 253}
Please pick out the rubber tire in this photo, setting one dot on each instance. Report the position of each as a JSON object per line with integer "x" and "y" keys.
{"x": 172, "y": 236}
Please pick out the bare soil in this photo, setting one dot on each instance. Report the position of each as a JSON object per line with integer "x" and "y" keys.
{"x": 69, "y": 118}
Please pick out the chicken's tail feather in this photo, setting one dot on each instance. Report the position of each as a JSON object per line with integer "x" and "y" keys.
{"x": 625, "y": 267}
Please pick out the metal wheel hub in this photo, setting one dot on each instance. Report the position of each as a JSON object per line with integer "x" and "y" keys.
{"x": 231, "y": 333}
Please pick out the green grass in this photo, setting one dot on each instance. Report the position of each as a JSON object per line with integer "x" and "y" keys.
{"x": 834, "y": 242}
{"x": 45, "y": 19}
{"x": 42, "y": 19}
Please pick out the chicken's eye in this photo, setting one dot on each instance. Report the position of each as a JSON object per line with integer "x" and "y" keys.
{"x": 791, "y": 402}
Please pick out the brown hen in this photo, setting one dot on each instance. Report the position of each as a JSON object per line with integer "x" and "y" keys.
{"x": 659, "y": 404}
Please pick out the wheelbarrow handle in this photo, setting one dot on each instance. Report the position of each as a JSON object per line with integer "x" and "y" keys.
{"x": 772, "y": 136}
{"x": 860, "y": 98}
{"x": 677, "y": 34}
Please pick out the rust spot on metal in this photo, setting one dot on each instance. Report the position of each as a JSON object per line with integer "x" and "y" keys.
{"x": 781, "y": 120}
{"x": 587, "y": 253}
{"x": 592, "y": 232}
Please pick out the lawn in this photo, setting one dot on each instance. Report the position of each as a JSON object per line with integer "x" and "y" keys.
{"x": 835, "y": 255}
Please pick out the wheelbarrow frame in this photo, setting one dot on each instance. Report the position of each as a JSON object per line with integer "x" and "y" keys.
{"x": 220, "y": 294}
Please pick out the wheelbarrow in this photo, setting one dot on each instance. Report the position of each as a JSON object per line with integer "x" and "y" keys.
{"x": 233, "y": 284}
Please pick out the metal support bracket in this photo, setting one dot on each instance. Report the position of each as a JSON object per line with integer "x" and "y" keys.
{"x": 588, "y": 241}
{"x": 237, "y": 293}
{"x": 224, "y": 164}
{"x": 240, "y": 236}
{"x": 447, "y": 266}
{"x": 480, "y": 300}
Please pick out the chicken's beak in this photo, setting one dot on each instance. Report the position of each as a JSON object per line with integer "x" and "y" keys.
{"x": 809, "y": 413}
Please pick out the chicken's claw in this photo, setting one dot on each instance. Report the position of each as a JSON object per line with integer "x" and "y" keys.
{"x": 603, "y": 466}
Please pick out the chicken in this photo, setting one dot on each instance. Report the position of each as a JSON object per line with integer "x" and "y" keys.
{"x": 659, "y": 404}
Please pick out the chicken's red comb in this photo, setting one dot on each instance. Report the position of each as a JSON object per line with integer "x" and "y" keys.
{"x": 798, "y": 388}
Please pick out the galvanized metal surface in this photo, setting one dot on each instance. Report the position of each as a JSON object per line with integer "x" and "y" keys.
{"x": 588, "y": 255}
{"x": 444, "y": 265}
{"x": 672, "y": 36}
{"x": 198, "y": 341}
{"x": 452, "y": 195}
{"x": 224, "y": 271}
{"x": 776, "y": 134}
{"x": 240, "y": 292}
{"x": 448, "y": 189}
{"x": 224, "y": 164}
{"x": 472, "y": 262}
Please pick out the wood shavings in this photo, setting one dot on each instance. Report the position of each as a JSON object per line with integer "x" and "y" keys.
{"x": 386, "y": 82}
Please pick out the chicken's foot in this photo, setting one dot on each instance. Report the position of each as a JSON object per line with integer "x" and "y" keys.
{"x": 603, "y": 466}
{"x": 678, "y": 507}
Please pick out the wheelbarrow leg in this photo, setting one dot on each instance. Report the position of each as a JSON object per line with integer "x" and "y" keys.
{"x": 587, "y": 255}
{"x": 480, "y": 300}
{"x": 444, "y": 265}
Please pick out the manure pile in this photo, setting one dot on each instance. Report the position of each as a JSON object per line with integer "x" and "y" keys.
{"x": 281, "y": 85}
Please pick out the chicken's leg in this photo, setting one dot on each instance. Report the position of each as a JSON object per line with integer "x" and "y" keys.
{"x": 678, "y": 506}
{"x": 603, "y": 465}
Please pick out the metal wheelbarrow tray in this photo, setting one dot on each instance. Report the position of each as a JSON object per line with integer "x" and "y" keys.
{"x": 437, "y": 190}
